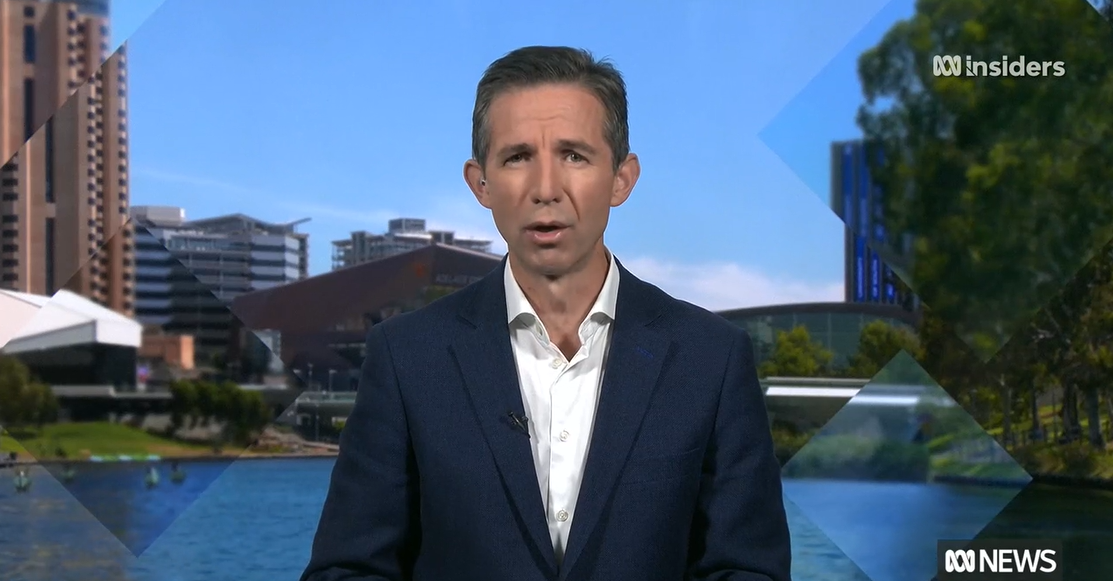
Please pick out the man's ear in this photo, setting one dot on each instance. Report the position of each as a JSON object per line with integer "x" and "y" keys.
{"x": 625, "y": 179}
{"x": 473, "y": 176}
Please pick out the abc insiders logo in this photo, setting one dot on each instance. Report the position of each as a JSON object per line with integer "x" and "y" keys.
{"x": 1000, "y": 560}
{"x": 953, "y": 65}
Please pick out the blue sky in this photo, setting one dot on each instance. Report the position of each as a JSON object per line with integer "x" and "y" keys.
{"x": 351, "y": 112}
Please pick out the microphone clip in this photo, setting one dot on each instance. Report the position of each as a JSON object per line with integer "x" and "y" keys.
{"x": 519, "y": 423}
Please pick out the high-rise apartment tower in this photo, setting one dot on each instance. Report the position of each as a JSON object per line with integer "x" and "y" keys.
{"x": 63, "y": 136}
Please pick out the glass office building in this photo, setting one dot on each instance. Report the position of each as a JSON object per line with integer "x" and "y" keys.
{"x": 858, "y": 201}
{"x": 188, "y": 272}
{"x": 835, "y": 326}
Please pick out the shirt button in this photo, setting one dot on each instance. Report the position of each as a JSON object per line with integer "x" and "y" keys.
{"x": 562, "y": 515}
{"x": 556, "y": 364}
{"x": 564, "y": 436}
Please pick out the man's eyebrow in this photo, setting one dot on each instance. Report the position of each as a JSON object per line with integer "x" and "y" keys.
{"x": 562, "y": 145}
{"x": 577, "y": 145}
{"x": 513, "y": 149}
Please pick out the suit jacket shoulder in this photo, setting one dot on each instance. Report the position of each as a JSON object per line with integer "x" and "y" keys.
{"x": 690, "y": 323}
{"x": 483, "y": 302}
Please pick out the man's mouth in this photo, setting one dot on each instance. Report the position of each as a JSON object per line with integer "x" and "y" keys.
{"x": 546, "y": 227}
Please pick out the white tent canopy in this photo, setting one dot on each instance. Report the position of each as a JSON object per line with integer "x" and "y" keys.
{"x": 37, "y": 323}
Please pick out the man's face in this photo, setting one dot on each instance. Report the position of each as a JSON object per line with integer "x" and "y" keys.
{"x": 549, "y": 178}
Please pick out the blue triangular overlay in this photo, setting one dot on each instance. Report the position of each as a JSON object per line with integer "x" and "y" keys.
{"x": 891, "y": 473}
{"x": 814, "y": 556}
{"x": 48, "y": 533}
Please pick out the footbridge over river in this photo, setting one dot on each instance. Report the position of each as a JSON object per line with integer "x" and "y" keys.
{"x": 805, "y": 402}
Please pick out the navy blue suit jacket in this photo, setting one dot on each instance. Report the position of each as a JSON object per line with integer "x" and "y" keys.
{"x": 432, "y": 482}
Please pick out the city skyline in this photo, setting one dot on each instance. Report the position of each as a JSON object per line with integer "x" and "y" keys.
{"x": 318, "y": 148}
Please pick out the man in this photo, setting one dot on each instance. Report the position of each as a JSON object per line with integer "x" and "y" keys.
{"x": 559, "y": 419}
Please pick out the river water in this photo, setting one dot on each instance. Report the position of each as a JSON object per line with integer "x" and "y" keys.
{"x": 253, "y": 520}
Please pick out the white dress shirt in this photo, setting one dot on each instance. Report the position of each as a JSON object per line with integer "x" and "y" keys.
{"x": 560, "y": 396}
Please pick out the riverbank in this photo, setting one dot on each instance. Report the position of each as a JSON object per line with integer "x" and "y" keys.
{"x": 111, "y": 442}
{"x": 1077, "y": 482}
{"x": 32, "y": 461}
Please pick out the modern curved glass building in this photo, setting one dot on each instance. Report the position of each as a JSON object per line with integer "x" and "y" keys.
{"x": 836, "y": 326}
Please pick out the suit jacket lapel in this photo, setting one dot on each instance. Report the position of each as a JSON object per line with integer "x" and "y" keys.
{"x": 636, "y": 356}
{"x": 486, "y": 360}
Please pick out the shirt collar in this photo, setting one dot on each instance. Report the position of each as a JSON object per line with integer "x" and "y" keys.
{"x": 518, "y": 305}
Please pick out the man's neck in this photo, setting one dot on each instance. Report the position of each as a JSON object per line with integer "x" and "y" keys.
{"x": 563, "y": 303}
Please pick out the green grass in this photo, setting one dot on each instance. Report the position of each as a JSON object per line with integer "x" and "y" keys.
{"x": 80, "y": 440}
{"x": 952, "y": 467}
{"x": 1048, "y": 416}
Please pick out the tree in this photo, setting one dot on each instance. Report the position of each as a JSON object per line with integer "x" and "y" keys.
{"x": 954, "y": 366}
{"x": 796, "y": 355}
{"x": 243, "y": 414}
{"x": 254, "y": 416}
{"x": 1004, "y": 181}
{"x": 878, "y": 343}
{"x": 207, "y": 400}
{"x": 1085, "y": 358}
{"x": 23, "y": 401}
{"x": 183, "y": 405}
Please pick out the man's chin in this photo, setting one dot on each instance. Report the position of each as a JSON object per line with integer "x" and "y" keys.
{"x": 546, "y": 262}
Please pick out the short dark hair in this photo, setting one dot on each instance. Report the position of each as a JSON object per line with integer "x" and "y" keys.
{"x": 541, "y": 65}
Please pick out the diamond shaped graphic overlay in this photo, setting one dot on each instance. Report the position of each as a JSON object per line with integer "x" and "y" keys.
{"x": 873, "y": 479}
{"x": 276, "y": 502}
{"x": 1078, "y": 517}
{"x": 180, "y": 413}
{"x": 814, "y": 556}
{"x": 985, "y": 192}
{"x": 47, "y": 534}
{"x": 808, "y": 377}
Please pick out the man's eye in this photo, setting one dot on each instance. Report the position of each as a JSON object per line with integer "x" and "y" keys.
{"x": 575, "y": 157}
{"x": 516, "y": 158}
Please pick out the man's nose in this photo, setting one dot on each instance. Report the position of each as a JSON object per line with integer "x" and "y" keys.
{"x": 548, "y": 186}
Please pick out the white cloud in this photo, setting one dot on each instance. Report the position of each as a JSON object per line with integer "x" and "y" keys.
{"x": 190, "y": 180}
{"x": 720, "y": 286}
{"x": 372, "y": 220}
{"x": 463, "y": 215}
{"x": 712, "y": 285}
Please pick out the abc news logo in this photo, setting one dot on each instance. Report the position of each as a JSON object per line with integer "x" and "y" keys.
{"x": 1000, "y": 560}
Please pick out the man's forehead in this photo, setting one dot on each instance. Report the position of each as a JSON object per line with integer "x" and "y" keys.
{"x": 573, "y": 111}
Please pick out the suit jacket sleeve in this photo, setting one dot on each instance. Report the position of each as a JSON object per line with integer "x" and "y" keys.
{"x": 368, "y": 526}
{"x": 740, "y": 532}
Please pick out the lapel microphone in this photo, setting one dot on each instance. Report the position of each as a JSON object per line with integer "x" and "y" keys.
{"x": 520, "y": 423}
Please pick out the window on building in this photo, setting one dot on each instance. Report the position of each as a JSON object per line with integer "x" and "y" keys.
{"x": 28, "y": 108}
{"x": 48, "y": 163}
{"x": 29, "y": 42}
{"x": 48, "y": 243}
{"x": 29, "y": 11}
